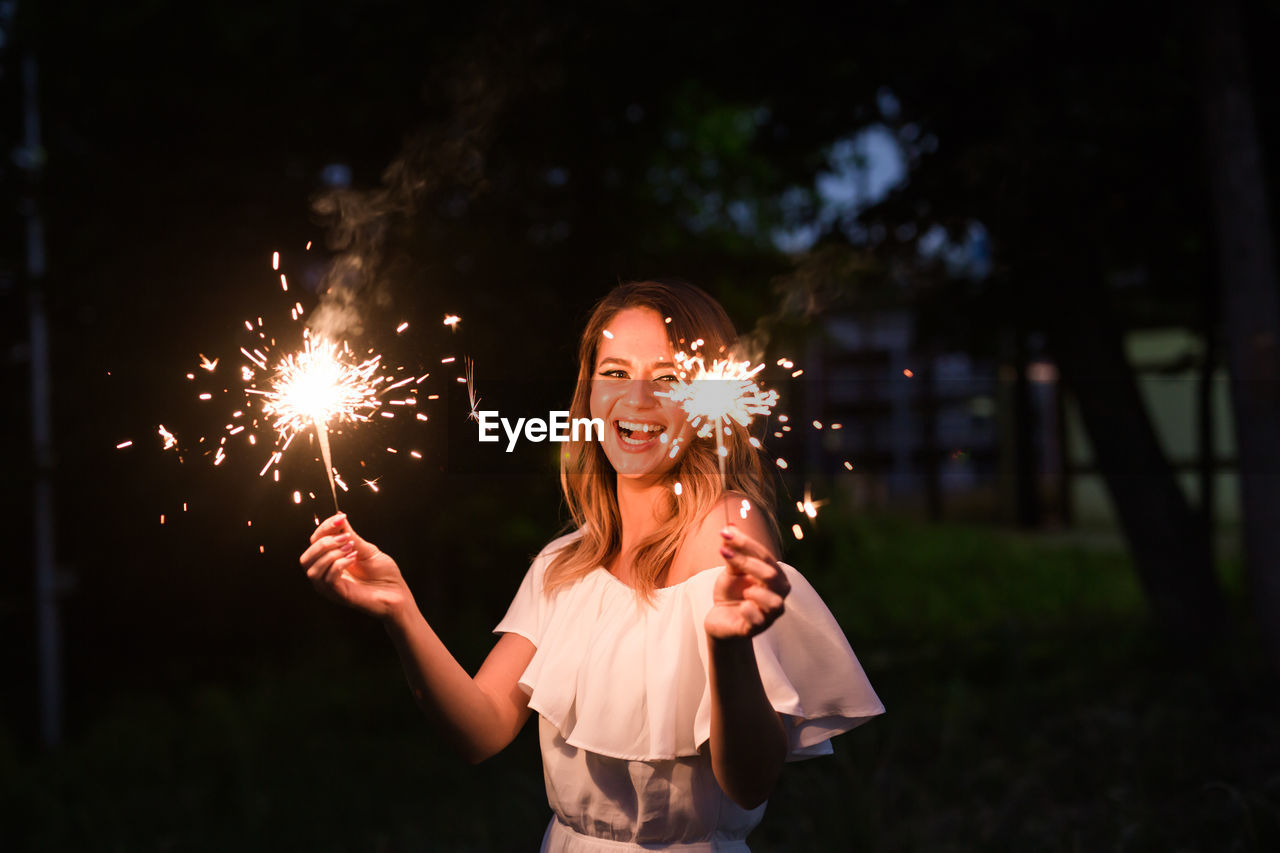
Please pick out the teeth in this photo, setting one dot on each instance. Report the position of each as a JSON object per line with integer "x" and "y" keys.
{"x": 638, "y": 427}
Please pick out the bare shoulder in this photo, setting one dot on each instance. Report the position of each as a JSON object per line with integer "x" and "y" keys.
{"x": 701, "y": 548}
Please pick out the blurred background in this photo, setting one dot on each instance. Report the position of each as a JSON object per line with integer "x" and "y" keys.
{"x": 1023, "y": 254}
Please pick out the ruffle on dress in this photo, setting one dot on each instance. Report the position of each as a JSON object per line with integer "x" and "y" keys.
{"x": 626, "y": 679}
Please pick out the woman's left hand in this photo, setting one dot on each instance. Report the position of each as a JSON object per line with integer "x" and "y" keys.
{"x": 749, "y": 593}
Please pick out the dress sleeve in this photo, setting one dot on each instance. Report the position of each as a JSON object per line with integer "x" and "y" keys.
{"x": 809, "y": 673}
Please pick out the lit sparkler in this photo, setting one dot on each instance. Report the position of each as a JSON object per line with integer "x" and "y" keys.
{"x": 320, "y": 385}
{"x": 712, "y": 396}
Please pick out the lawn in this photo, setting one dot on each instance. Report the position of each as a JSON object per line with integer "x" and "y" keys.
{"x": 1029, "y": 705}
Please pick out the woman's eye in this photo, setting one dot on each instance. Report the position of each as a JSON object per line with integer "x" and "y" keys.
{"x": 614, "y": 374}
{"x": 669, "y": 377}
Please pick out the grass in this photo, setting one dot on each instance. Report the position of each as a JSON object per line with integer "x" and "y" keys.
{"x": 1029, "y": 708}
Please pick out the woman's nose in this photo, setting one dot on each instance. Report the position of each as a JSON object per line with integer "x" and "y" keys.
{"x": 640, "y": 393}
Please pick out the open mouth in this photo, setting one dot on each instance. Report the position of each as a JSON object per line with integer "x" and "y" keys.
{"x": 638, "y": 434}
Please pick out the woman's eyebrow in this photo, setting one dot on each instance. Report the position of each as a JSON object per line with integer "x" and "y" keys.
{"x": 660, "y": 365}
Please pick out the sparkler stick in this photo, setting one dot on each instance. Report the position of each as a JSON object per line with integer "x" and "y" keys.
{"x": 322, "y": 433}
{"x": 711, "y": 396}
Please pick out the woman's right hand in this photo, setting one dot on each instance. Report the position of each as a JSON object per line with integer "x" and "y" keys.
{"x": 348, "y": 569}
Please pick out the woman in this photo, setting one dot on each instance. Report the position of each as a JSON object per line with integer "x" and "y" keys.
{"x": 652, "y": 641}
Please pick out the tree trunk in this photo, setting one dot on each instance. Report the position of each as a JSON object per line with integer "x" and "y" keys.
{"x": 1170, "y": 549}
{"x": 1250, "y": 306}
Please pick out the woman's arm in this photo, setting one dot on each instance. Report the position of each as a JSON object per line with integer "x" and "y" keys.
{"x": 479, "y": 715}
{"x": 748, "y": 738}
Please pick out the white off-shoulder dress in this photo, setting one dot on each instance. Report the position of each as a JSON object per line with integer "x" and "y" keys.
{"x": 624, "y": 705}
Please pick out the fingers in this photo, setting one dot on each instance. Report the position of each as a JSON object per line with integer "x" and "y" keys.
{"x": 331, "y": 525}
{"x": 319, "y": 547}
{"x": 764, "y": 571}
{"x": 736, "y": 539}
{"x": 769, "y": 602}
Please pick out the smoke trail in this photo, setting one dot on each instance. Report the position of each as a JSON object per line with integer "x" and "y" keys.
{"x": 820, "y": 279}
{"x": 440, "y": 160}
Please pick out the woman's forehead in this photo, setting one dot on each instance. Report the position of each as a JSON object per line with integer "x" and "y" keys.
{"x": 635, "y": 334}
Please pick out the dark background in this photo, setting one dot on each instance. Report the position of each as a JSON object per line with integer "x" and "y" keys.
{"x": 509, "y": 164}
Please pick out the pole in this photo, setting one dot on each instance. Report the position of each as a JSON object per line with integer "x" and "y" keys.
{"x": 48, "y": 634}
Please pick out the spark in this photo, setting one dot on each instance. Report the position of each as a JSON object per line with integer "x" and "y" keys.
{"x": 797, "y": 373}
{"x": 809, "y": 506}
{"x": 712, "y": 396}
{"x": 415, "y": 454}
{"x": 796, "y": 531}
{"x": 320, "y": 386}
{"x": 401, "y": 327}
{"x": 169, "y": 440}
{"x": 373, "y": 484}
{"x": 297, "y": 497}
{"x": 679, "y": 489}
{"x": 122, "y": 445}
{"x": 275, "y": 260}
{"x": 207, "y": 364}
{"x": 284, "y": 283}
{"x": 452, "y": 320}
{"x": 782, "y": 463}
{"x": 848, "y": 465}
{"x": 608, "y": 334}
{"x": 908, "y": 373}
{"x": 472, "y": 398}
{"x": 817, "y": 424}
{"x": 448, "y": 360}
{"x": 745, "y": 508}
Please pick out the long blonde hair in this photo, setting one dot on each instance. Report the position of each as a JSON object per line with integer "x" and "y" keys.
{"x": 588, "y": 479}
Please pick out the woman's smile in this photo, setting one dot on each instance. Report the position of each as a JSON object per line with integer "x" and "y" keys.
{"x": 633, "y": 370}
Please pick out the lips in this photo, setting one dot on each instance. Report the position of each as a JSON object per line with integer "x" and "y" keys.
{"x": 637, "y": 435}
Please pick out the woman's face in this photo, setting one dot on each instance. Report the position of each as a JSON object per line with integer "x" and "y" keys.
{"x": 633, "y": 361}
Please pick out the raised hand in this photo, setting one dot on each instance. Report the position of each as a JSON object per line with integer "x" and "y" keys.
{"x": 748, "y": 594}
{"x": 348, "y": 569}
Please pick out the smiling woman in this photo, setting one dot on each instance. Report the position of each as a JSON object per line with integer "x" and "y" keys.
{"x": 674, "y": 665}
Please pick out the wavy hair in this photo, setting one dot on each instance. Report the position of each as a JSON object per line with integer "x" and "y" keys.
{"x": 587, "y": 477}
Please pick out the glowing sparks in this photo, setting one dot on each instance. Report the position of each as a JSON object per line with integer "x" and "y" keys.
{"x": 322, "y": 385}
{"x": 275, "y": 260}
{"x": 713, "y": 396}
{"x": 402, "y": 327}
{"x": 782, "y": 463}
{"x": 452, "y": 320}
{"x": 744, "y": 508}
{"x": 727, "y": 390}
{"x": 848, "y": 466}
{"x": 679, "y": 489}
{"x": 122, "y": 445}
{"x": 472, "y": 398}
{"x": 170, "y": 441}
{"x": 796, "y": 531}
{"x": 608, "y": 334}
{"x": 207, "y": 363}
{"x": 908, "y": 373}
